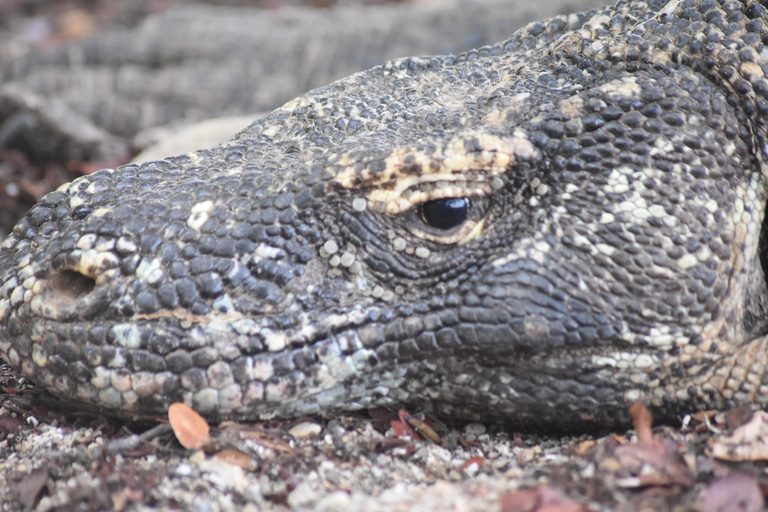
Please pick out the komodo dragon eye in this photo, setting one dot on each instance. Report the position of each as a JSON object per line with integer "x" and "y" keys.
{"x": 451, "y": 219}
{"x": 446, "y": 213}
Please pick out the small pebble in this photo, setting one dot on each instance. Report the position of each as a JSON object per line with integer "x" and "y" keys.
{"x": 305, "y": 429}
{"x": 359, "y": 204}
{"x": 197, "y": 457}
{"x": 183, "y": 469}
{"x": 338, "y": 500}
{"x": 335, "y": 428}
{"x": 331, "y": 247}
{"x": 347, "y": 259}
{"x": 398, "y": 244}
{"x": 12, "y": 189}
{"x": 334, "y": 261}
{"x": 497, "y": 183}
{"x": 422, "y": 252}
{"x": 474, "y": 429}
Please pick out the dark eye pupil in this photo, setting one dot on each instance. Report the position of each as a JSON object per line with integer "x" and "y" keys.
{"x": 444, "y": 213}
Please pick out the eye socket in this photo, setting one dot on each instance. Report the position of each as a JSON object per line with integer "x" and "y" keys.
{"x": 445, "y": 213}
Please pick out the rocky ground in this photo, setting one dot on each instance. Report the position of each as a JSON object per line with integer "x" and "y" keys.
{"x": 54, "y": 459}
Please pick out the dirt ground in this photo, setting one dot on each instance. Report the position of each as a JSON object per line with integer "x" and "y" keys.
{"x": 56, "y": 459}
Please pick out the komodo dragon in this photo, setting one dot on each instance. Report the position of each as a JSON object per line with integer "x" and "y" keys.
{"x": 540, "y": 232}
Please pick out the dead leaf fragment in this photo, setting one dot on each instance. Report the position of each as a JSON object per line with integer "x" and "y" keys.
{"x": 236, "y": 458}
{"x": 737, "y": 492}
{"x": 423, "y": 427}
{"x": 190, "y": 428}
{"x": 30, "y": 486}
{"x": 381, "y": 414}
{"x": 403, "y": 429}
{"x": 476, "y": 461}
{"x": 739, "y": 415}
{"x": 749, "y": 442}
{"x": 269, "y": 439}
{"x": 540, "y": 499}
{"x": 651, "y": 460}
{"x": 642, "y": 421}
{"x": 9, "y": 424}
{"x": 585, "y": 447}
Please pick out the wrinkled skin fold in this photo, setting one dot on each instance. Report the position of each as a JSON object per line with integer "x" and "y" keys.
{"x": 541, "y": 232}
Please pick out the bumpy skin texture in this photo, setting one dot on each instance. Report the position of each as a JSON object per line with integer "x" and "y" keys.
{"x": 613, "y": 164}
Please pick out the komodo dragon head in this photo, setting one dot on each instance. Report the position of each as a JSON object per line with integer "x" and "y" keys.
{"x": 541, "y": 232}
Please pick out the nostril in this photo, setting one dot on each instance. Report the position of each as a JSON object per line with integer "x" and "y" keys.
{"x": 67, "y": 295}
{"x": 68, "y": 286}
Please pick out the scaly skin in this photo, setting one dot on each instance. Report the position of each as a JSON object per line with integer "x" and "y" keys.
{"x": 608, "y": 177}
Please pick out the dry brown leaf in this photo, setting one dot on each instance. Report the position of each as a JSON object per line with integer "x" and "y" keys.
{"x": 30, "y": 487}
{"x": 703, "y": 416}
{"x": 478, "y": 461}
{"x": 585, "y": 446}
{"x": 642, "y": 421}
{"x": 270, "y": 440}
{"x": 651, "y": 460}
{"x": 619, "y": 439}
{"x": 404, "y": 430}
{"x": 571, "y": 506}
{"x": 236, "y": 458}
{"x": 190, "y": 428}
{"x": 739, "y": 415}
{"x": 540, "y": 499}
{"x": 749, "y": 442}
{"x": 737, "y": 492}
{"x": 381, "y": 414}
{"x": 423, "y": 427}
{"x": 8, "y": 424}
{"x": 655, "y": 463}
{"x": 702, "y": 421}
